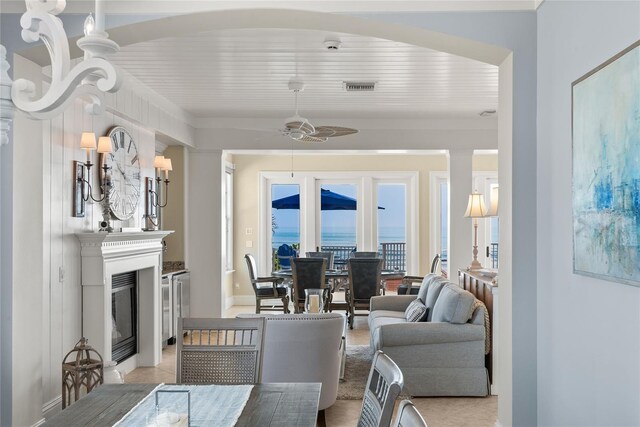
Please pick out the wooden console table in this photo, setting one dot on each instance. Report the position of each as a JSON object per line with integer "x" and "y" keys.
{"x": 487, "y": 292}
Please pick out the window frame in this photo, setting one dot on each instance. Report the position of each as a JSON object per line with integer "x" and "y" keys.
{"x": 228, "y": 213}
{"x": 366, "y": 233}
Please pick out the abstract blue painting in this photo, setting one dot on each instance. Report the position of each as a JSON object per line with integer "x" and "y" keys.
{"x": 606, "y": 170}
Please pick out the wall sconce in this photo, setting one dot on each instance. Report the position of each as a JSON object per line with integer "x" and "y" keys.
{"x": 475, "y": 209}
{"x": 82, "y": 178}
{"x": 152, "y": 198}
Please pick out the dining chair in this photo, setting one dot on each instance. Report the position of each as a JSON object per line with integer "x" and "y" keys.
{"x": 365, "y": 282}
{"x": 320, "y": 254}
{"x": 408, "y": 416}
{"x": 275, "y": 289}
{"x": 357, "y": 254}
{"x": 407, "y": 287}
{"x": 219, "y": 351}
{"x": 383, "y": 388}
{"x": 308, "y": 273}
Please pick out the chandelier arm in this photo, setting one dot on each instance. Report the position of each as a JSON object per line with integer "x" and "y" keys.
{"x": 60, "y": 94}
{"x": 37, "y": 23}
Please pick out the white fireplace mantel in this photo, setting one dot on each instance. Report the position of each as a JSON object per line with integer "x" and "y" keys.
{"x": 105, "y": 254}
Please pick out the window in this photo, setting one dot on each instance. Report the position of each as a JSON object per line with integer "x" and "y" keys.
{"x": 346, "y": 223}
{"x": 392, "y": 224}
{"x": 285, "y": 222}
{"x": 228, "y": 216}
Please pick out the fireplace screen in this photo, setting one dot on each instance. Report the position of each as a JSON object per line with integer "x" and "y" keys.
{"x": 124, "y": 306}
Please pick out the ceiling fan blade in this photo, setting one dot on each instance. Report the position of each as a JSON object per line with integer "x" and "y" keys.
{"x": 333, "y": 131}
{"x": 311, "y": 139}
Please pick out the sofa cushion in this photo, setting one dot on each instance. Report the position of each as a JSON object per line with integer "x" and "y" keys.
{"x": 432, "y": 295}
{"x": 424, "y": 287}
{"x": 383, "y": 313}
{"x": 454, "y": 305}
{"x": 416, "y": 312}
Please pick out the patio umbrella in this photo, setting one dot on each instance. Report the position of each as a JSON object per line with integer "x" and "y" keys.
{"x": 329, "y": 201}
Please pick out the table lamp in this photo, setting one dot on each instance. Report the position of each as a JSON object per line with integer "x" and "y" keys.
{"x": 475, "y": 209}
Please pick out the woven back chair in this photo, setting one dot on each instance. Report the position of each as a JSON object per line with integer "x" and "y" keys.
{"x": 383, "y": 388}
{"x": 219, "y": 351}
{"x": 408, "y": 416}
{"x": 365, "y": 282}
{"x": 326, "y": 255}
{"x": 307, "y": 273}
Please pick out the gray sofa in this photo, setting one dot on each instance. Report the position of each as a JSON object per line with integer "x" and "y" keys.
{"x": 442, "y": 356}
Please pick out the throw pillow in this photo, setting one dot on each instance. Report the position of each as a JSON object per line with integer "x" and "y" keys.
{"x": 416, "y": 311}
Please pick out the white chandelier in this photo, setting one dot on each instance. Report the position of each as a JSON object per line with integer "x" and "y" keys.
{"x": 88, "y": 79}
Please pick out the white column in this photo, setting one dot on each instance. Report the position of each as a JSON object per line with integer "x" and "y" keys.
{"x": 203, "y": 245}
{"x": 460, "y": 228}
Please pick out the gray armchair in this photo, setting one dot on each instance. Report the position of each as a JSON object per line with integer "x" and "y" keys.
{"x": 304, "y": 348}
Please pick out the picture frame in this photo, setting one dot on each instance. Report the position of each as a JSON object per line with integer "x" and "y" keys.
{"x": 605, "y": 132}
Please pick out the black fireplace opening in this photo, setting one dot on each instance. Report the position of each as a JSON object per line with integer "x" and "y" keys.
{"x": 124, "y": 315}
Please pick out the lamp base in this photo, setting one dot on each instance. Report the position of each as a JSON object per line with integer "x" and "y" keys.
{"x": 475, "y": 265}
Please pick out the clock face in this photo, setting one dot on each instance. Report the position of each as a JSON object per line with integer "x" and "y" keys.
{"x": 125, "y": 173}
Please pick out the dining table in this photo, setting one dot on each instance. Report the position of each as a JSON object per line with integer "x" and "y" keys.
{"x": 334, "y": 274}
{"x": 269, "y": 404}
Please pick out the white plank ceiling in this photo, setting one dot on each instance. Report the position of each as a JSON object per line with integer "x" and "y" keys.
{"x": 244, "y": 73}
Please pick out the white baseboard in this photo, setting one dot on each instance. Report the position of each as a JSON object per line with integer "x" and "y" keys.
{"x": 498, "y": 424}
{"x": 244, "y": 300}
{"x": 39, "y": 423}
{"x": 50, "y": 408}
{"x": 228, "y": 303}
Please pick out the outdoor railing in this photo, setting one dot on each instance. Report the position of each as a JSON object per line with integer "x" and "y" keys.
{"x": 394, "y": 255}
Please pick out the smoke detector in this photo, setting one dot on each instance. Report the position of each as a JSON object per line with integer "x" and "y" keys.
{"x": 487, "y": 113}
{"x": 332, "y": 44}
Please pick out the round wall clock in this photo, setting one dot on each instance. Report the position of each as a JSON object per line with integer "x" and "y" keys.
{"x": 125, "y": 173}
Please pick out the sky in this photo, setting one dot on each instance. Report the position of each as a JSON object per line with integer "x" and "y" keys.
{"x": 390, "y": 196}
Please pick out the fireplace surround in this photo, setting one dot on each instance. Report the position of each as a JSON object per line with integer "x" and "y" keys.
{"x": 105, "y": 255}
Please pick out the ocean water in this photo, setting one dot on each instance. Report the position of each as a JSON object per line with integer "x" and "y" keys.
{"x": 346, "y": 237}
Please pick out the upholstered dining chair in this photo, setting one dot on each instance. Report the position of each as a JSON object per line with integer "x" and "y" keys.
{"x": 408, "y": 416}
{"x": 359, "y": 254}
{"x": 365, "y": 282}
{"x": 326, "y": 255}
{"x": 274, "y": 289}
{"x": 408, "y": 281}
{"x": 383, "y": 388}
{"x": 219, "y": 351}
{"x": 307, "y": 273}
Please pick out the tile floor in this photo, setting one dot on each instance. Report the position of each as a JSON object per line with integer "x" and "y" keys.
{"x": 438, "y": 412}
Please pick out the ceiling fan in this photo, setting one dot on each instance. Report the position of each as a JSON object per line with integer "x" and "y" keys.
{"x": 300, "y": 129}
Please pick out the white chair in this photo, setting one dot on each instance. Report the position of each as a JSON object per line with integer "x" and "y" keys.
{"x": 408, "y": 416}
{"x": 302, "y": 348}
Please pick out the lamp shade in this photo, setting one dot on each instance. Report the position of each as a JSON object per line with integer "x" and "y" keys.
{"x": 88, "y": 141}
{"x": 104, "y": 145}
{"x": 158, "y": 162}
{"x": 167, "y": 164}
{"x": 493, "y": 207}
{"x": 476, "y": 207}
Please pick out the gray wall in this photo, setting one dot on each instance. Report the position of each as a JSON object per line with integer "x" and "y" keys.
{"x": 588, "y": 329}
